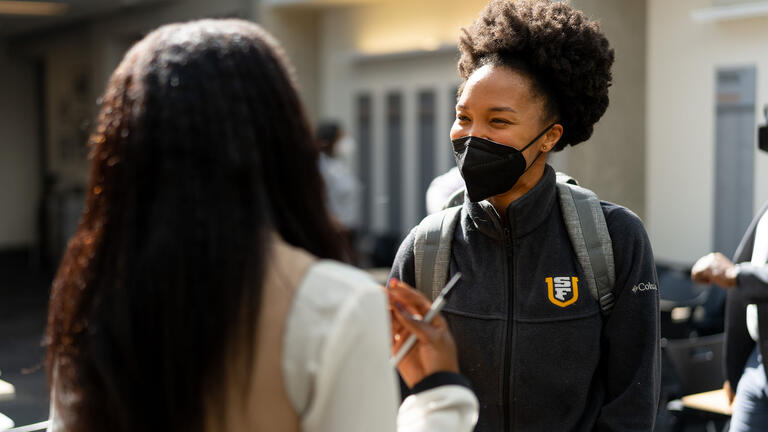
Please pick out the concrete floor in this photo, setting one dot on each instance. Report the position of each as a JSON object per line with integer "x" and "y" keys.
{"x": 23, "y": 304}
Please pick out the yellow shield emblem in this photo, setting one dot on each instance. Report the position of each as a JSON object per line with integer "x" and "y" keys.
{"x": 563, "y": 291}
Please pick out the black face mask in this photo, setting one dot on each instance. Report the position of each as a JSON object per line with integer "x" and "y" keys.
{"x": 490, "y": 168}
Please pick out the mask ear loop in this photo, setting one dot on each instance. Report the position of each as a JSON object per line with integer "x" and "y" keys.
{"x": 531, "y": 143}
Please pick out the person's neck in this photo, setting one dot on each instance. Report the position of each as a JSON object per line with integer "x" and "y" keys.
{"x": 526, "y": 182}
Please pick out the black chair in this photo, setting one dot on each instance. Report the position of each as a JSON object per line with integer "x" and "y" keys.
{"x": 679, "y": 298}
{"x": 697, "y": 364}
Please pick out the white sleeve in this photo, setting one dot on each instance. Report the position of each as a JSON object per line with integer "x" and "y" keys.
{"x": 355, "y": 388}
{"x": 443, "y": 408}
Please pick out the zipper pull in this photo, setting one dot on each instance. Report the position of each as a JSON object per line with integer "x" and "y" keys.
{"x": 507, "y": 241}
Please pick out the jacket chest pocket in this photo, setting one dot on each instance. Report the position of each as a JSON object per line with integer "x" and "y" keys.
{"x": 480, "y": 342}
{"x": 559, "y": 358}
{"x": 476, "y": 311}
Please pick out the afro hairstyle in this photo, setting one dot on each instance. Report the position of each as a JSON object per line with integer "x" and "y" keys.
{"x": 562, "y": 51}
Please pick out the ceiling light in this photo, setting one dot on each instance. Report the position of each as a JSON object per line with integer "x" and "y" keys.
{"x": 35, "y": 8}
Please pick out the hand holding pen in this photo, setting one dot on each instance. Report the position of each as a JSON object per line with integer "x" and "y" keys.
{"x": 435, "y": 350}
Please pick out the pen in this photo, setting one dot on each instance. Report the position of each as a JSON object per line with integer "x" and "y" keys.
{"x": 435, "y": 309}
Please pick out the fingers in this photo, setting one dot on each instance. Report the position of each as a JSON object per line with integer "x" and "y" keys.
{"x": 729, "y": 391}
{"x": 424, "y": 331}
{"x": 399, "y": 333}
{"x": 702, "y": 270}
{"x": 396, "y": 326}
{"x": 700, "y": 277}
{"x": 397, "y": 329}
{"x": 722, "y": 259}
{"x": 704, "y": 262}
{"x": 399, "y": 342}
{"x": 414, "y": 302}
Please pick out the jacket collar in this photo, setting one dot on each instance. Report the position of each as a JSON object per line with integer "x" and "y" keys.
{"x": 523, "y": 215}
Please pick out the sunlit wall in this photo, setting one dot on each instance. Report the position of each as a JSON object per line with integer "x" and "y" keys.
{"x": 683, "y": 55}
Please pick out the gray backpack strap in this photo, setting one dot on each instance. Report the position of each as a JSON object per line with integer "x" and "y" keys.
{"x": 591, "y": 241}
{"x": 456, "y": 199}
{"x": 432, "y": 250}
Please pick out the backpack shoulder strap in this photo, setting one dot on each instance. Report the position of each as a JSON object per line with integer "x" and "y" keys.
{"x": 456, "y": 199}
{"x": 585, "y": 222}
{"x": 432, "y": 250}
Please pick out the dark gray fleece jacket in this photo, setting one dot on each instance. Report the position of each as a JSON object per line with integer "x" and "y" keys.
{"x": 538, "y": 359}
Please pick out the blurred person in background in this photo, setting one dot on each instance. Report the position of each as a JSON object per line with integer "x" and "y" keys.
{"x": 442, "y": 188}
{"x": 746, "y": 322}
{"x": 535, "y": 79}
{"x": 342, "y": 188}
{"x": 203, "y": 289}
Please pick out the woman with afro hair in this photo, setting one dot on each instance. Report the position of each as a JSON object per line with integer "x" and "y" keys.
{"x": 541, "y": 353}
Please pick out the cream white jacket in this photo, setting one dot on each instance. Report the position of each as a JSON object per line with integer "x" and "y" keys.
{"x": 336, "y": 362}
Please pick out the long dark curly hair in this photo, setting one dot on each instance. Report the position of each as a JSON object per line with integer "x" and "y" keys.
{"x": 562, "y": 51}
{"x": 202, "y": 149}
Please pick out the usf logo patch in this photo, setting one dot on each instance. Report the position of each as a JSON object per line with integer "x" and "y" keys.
{"x": 563, "y": 291}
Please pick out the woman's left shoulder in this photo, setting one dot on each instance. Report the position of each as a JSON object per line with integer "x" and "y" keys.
{"x": 351, "y": 279}
{"x": 331, "y": 285}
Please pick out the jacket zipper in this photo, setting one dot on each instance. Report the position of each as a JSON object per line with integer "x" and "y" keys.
{"x": 509, "y": 346}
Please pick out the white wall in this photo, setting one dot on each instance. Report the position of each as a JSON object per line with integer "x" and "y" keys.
{"x": 683, "y": 56}
{"x": 19, "y": 185}
{"x": 612, "y": 161}
{"x": 297, "y": 30}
